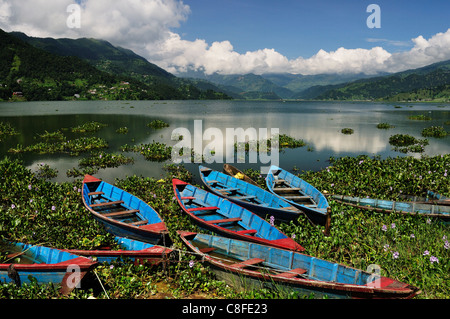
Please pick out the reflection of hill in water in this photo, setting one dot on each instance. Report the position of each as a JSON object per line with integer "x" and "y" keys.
{"x": 319, "y": 124}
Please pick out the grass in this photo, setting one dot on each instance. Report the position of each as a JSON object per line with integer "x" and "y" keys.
{"x": 411, "y": 249}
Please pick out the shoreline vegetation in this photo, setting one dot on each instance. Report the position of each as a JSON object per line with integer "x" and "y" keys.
{"x": 37, "y": 211}
{"x": 412, "y": 249}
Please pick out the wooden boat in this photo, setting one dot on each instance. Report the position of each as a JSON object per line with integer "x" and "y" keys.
{"x": 223, "y": 217}
{"x": 236, "y": 173}
{"x": 425, "y": 209}
{"x": 123, "y": 214}
{"x": 252, "y": 266}
{"x": 299, "y": 194}
{"x": 46, "y": 265}
{"x": 254, "y": 198}
{"x": 134, "y": 250}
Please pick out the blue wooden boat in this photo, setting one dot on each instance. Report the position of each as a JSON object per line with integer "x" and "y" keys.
{"x": 123, "y": 214}
{"x": 254, "y": 198}
{"x": 425, "y": 209}
{"x": 131, "y": 249}
{"x": 299, "y": 194}
{"x": 45, "y": 264}
{"x": 248, "y": 265}
{"x": 223, "y": 217}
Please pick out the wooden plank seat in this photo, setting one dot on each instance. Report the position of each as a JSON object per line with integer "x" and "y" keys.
{"x": 122, "y": 213}
{"x": 297, "y": 197}
{"x": 247, "y": 232}
{"x": 187, "y": 198}
{"x": 95, "y": 193}
{"x": 247, "y": 263}
{"x": 245, "y": 197}
{"x": 224, "y": 190}
{"x": 286, "y": 189}
{"x": 117, "y": 202}
{"x": 293, "y": 273}
{"x": 225, "y": 220}
{"x": 138, "y": 223}
{"x": 213, "y": 182}
{"x": 203, "y": 208}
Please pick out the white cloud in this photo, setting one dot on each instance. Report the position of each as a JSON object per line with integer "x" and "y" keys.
{"x": 145, "y": 26}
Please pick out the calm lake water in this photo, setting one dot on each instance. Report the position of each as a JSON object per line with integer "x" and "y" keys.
{"x": 319, "y": 124}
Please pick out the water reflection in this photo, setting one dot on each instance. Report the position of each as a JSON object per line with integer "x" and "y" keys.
{"x": 319, "y": 124}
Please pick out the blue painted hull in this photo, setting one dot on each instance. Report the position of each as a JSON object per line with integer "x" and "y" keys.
{"x": 254, "y": 198}
{"x": 298, "y": 193}
{"x": 226, "y": 218}
{"x": 123, "y": 214}
{"x": 45, "y": 265}
{"x": 248, "y": 265}
{"x": 430, "y": 210}
{"x": 133, "y": 250}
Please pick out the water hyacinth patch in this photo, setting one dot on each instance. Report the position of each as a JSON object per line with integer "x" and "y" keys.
{"x": 155, "y": 151}
{"x": 158, "y": 124}
{"x": 434, "y": 131}
{"x": 88, "y": 127}
{"x": 6, "y": 130}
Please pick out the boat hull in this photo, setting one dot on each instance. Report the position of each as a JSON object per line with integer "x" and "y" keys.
{"x": 410, "y": 208}
{"x": 246, "y": 265}
{"x": 151, "y": 228}
{"x": 257, "y": 200}
{"x": 217, "y": 214}
{"x": 299, "y": 194}
{"x": 136, "y": 251}
{"x": 47, "y": 265}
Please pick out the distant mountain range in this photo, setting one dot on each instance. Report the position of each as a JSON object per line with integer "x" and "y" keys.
{"x": 429, "y": 83}
{"x": 47, "y": 68}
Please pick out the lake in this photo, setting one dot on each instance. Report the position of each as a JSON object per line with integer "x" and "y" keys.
{"x": 319, "y": 124}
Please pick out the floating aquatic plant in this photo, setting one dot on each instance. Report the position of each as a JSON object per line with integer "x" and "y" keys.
{"x": 384, "y": 126}
{"x": 347, "y": 131}
{"x": 155, "y": 151}
{"x": 406, "y": 143}
{"x": 158, "y": 124}
{"x": 6, "y": 129}
{"x": 434, "y": 131}
{"x": 92, "y": 126}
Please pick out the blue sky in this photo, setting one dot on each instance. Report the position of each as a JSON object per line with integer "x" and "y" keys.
{"x": 301, "y": 28}
{"x": 251, "y": 36}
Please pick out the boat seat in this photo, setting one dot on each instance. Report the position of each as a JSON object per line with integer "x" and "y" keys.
{"x": 279, "y": 181}
{"x": 226, "y": 220}
{"x": 95, "y": 193}
{"x": 202, "y": 208}
{"x": 286, "y": 189}
{"x": 297, "y": 197}
{"x": 122, "y": 213}
{"x": 246, "y": 263}
{"x": 293, "y": 273}
{"x": 189, "y": 198}
{"x": 228, "y": 190}
{"x": 245, "y": 197}
{"x": 117, "y": 202}
{"x": 213, "y": 182}
{"x": 141, "y": 222}
{"x": 247, "y": 232}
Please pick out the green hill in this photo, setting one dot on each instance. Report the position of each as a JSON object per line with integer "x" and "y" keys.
{"x": 29, "y": 73}
{"x": 125, "y": 63}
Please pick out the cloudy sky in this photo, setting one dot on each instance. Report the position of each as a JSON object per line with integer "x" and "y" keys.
{"x": 258, "y": 36}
